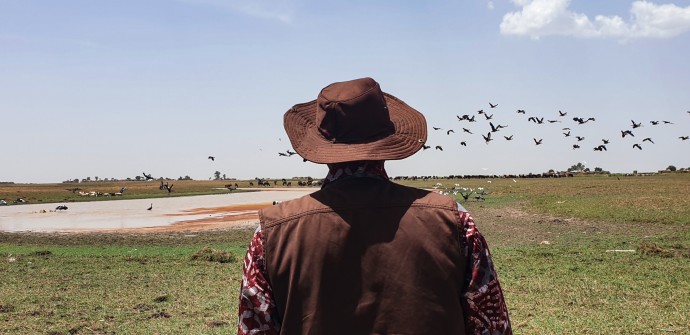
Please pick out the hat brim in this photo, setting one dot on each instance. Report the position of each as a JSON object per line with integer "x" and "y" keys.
{"x": 409, "y": 136}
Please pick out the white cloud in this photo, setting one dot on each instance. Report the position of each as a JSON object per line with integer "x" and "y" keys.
{"x": 281, "y": 10}
{"x": 539, "y": 18}
{"x": 490, "y": 5}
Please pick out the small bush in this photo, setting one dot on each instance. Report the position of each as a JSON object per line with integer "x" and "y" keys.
{"x": 213, "y": 255}
{"x": 41, "y": 253}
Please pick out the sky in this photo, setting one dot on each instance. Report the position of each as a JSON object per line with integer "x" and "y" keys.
{"x": 112, "y": 89}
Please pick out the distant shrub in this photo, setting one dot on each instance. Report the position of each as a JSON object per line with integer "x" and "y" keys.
{"x": 40, "y": 253}
{"x": 213, "y": 255}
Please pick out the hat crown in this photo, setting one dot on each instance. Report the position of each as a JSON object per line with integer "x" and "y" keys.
{"x": 353, "y": 111}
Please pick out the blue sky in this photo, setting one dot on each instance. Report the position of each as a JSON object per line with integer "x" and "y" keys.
{"x": 113, "y": 89}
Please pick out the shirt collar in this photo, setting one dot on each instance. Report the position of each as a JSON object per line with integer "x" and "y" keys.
{"x": 339, "y": 171}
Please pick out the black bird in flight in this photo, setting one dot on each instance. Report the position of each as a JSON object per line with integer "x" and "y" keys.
{"x": 487, "y": 138}
{"x": 471, "y": 119}
{"x": 626, "y": 132}
{"x": 637, "y": 146}
{"x": 212, "y": 158}
{"x": 481, "y": 111}
{"x": 562, "y": 113}
{"x": 648, "y": 139}
{"x": 605, "y": 141}
{"x": 492, "y": 105}
{"x": 600, "y": 148}
{"x": 509, "y": 138}
{"x": 538, "y": 142}
{"x": 580, "y": 138}
{"x": 683, "y": 137}
{"x": 466, "y": 130}
{"x": 667, "y": 122}
{"x": 464, "y": 117}
{"x": 438, "y": 147}
{"x": 553, "y": 121}
{"x": 425, "y": 147}
{"x": 450, "y": 131}
{"x": 290, "y": 153}
{"x": 463, "y": 143}
{"x": 567, "y": 134}
{"x": 636, "y": 125}
{"x": 283, "y": 154}
{"x": 147, "y": 176}
{"x": 575, "y": 146}
{"x": 521, "y": 111}
{"x": 488, "y": 117}
{"x": 654, "y": 123}
{"x": 436, "y": 128}
{"x": 150, "y": 207}
{"x": 496, "y": 128}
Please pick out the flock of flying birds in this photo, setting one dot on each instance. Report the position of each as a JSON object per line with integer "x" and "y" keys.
{"x": 467, "y": 120}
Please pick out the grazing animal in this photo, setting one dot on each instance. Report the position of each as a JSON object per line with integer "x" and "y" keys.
{"x": 3, "y": 202}
{"x": 212, "y": 158}
{"x": 538, "y": 142}
{"x": 637, "y": 146}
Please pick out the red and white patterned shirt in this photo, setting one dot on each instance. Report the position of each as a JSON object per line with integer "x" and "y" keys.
{"x": 483, "y": 302}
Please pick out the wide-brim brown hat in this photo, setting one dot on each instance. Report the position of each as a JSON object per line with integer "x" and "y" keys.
{"x": 354, "y": 120}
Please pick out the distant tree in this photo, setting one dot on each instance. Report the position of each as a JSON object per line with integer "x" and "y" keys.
{"x": 587, "y": 170}
{"x": 552, "y": 171}
{"x": 95, "y": 178}
{"x": 598, "y": 169}
{"x": 671, "y": 168}
{"x": 137, "y": 178}
{"x": 577, "y": 167}
{"x": 224, "y": 176}
{"x": 216, "y": 175}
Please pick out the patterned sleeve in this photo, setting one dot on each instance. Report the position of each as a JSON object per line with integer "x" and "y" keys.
{"x": 257, "y": 312}
{"x": 484, "y": 304}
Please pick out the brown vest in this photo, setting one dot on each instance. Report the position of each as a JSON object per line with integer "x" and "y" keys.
{"x": 366, "y": 256}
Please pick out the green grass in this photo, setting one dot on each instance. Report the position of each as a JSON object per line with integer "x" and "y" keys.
{"x": 550, "y": 239}
{"x": 69, "y": 285}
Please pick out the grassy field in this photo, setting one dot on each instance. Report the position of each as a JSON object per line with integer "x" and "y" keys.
{"x": 584, "y": 255}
